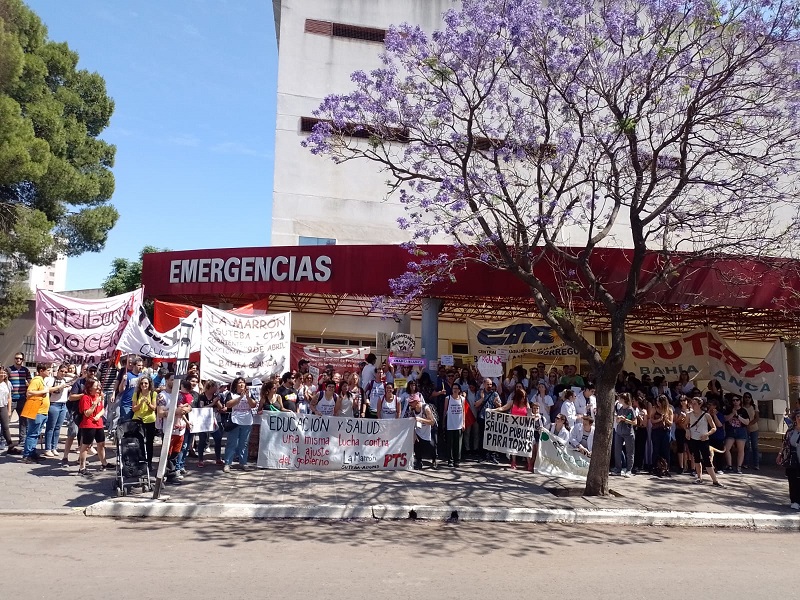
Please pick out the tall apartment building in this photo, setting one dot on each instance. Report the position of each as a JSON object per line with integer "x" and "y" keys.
{"x": 52, "y": 278}
{"x": 321, "y": 42}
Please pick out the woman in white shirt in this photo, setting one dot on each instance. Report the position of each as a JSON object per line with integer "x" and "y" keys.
{"x": 326, "y": 405}
{"x": 560, "y": 428}
{"x": 454, "y": 415}
{"x": 542, "y": 398}
{"x": 568, "y": 408}
{"x": 5, "y": 411}
{"x": 58, "y": 409}
{"x": 345, "y": 406}
{"x": 389, "y": 406}
{"x": 240, "y": 403}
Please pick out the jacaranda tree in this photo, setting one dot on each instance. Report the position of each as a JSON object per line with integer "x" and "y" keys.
{"x": 530, "y": 131}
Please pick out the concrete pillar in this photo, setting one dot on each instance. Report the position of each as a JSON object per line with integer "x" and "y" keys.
{"x": 403, "y": 324}
{"x": 793, "y": 370}
{"x": 430, "y": 331}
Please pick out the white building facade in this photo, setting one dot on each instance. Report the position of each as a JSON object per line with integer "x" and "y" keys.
{"x": 321, "y": 42}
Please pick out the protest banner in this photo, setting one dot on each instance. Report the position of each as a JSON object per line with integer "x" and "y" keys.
{"x": 76, "y": 331}
{"x": 490, "y": 366}
{"x": 250, "y": 345}
{"x": 202, "y": 419}
{"x": 402, "y": 343}
{"x": 342, "y": 359}
{"x": 447, "y": 360}
{"x": 408, "y": 361}
{"x": 141, "y": 338}
{"x": 520, "y": 337}
{"x": 705, "y": 355}
{"x": 558, "y": 459}
{"x": 313, "y": 442}
{"x": 509, "y": 434}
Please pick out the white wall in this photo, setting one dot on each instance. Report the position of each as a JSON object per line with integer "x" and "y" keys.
{"x": 312, "y": 196}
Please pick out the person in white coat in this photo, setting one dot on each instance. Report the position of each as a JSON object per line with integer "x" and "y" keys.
{"x": 581, "y": 438}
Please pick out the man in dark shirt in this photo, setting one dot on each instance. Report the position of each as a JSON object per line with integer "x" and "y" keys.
{"x": 19, "y": 376}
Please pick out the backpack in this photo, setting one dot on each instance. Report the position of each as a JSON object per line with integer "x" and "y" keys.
{"x": 72, "y": 409}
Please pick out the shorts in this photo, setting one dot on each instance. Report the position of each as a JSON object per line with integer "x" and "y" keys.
{"x": 88, "y": 435}
{"x": 175, "y": 444}
{"x": 736, "y": 433}
{"x": 700, "y": 452}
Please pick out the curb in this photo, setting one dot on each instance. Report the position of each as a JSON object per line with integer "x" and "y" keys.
{"x": 42, "y": 512}
{"x": 624, "y": 517}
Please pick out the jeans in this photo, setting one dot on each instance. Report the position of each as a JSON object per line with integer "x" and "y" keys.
{"x": 629, "y": 441}
{"x": 660, "y": 438}
{"x": 752, "y": 449}
{"x": 202, "y": 443}
{"x": 32, "y": 435}
{"x": 236, "y": 444}
{"x": 55, "y": 419}
{"x": 180, "y": 461}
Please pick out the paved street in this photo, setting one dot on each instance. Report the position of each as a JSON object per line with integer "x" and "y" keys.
{"x": 95, "y": 559}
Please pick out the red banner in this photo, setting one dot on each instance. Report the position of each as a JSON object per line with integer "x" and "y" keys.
{"x": 167, "y": 315}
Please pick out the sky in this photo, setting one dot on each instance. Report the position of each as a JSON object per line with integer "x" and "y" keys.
{"x": 194, "y": 83}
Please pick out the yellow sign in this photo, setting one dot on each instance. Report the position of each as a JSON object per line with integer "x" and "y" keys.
{"x": 468, "y": 359}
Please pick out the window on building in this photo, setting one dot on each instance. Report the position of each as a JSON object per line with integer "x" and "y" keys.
{"x": 459, "y": 348}
{"x": 601, "y": 339}
{"x": 316, "y": 241}
{"x": 343, "y": 30}
{"x": 357, "y": 130}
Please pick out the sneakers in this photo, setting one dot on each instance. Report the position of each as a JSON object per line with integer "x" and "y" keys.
{"x": 697, "y": 481}
{"x": 85, "y": 473}
{"x": 108, "y": 465}
{"x": 738, "y": 470}
{"x": 794, "y": 506}
{"x": 50, "y": 454}
{"x": 717, "y": 484}
{"x": 220, "y": 463}
{"x": 226, "y": 469}
{"x": 248, "y": 468}
{"x": 625, "y": 473}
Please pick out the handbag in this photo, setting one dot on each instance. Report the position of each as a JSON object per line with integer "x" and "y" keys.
{"x": 226, "y": 418}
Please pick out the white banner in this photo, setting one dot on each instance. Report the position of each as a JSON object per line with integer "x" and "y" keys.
{"x": 509, "y": 434}
{"x": 253, "y": 345}
{"x": 558, "y": 459}
{"x": 312, "y": 442}
{"x": 76, "y": 331}
{"x": 520, "y": 337}
{"x": 490, "y": 366}
{"x": 705, "y": 355}
{"x": 140, "y": 337}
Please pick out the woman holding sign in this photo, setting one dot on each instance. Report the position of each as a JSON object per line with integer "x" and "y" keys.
{"x": 240, "y": 403}
{"x": 519, "y": 407}
{"x": 454, "y": 413}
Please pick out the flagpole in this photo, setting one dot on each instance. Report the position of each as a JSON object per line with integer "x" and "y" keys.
{"x": 181, "y": 368}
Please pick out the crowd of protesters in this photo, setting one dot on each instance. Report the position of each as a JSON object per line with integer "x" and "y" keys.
{"x": 660, "y": 427}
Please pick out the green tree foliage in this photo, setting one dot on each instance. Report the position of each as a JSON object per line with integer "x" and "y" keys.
{"x": 126, "y": 276}
{"x": 55, "y": 172}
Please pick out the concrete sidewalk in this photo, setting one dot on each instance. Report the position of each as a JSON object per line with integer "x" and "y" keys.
{"x": 476, "y": 491}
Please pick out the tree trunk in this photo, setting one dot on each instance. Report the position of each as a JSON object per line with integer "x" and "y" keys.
{"x": 597, "y": 480}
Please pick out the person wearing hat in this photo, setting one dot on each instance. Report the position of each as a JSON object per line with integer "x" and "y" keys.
{"x": 789, "y": 459}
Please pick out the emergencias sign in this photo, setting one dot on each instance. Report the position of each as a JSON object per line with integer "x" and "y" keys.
{"x": 250, "y": 268}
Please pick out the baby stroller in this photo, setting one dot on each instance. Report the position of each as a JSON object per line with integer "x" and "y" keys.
{"x": 132, "y": 459}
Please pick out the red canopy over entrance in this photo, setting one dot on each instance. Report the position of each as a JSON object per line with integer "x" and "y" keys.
{"x": 749, "y": 298}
